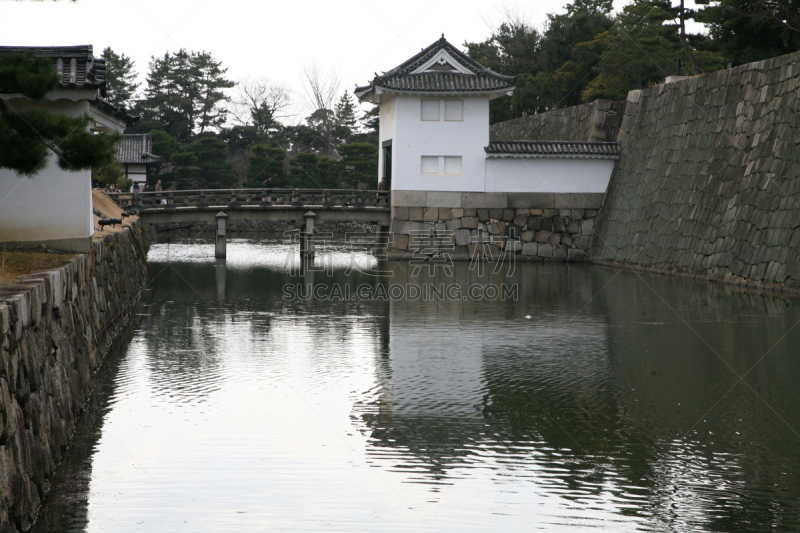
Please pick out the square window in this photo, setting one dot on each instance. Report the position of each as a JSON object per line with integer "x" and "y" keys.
{"x": 454, "y": 110}
{"x": 430, "y": 110}
{"x": 452, "y": 165}
{"x": 430, "y": 164}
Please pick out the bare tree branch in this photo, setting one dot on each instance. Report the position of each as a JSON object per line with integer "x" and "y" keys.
{"x": 322, "y": 92}
{"x": 262, "y": 103}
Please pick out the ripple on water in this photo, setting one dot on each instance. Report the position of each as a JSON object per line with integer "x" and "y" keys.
{"x": 236, "y": 410}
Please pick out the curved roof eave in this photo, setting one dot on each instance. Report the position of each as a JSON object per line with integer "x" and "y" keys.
{"x": 378, "y": 90}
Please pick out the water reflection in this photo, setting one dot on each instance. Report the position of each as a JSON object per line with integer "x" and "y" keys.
{"x": 579, "y": 397}
{"x": 221, "y": 271}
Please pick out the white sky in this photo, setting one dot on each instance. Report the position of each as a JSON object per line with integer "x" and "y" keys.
{"x": 273, "y": 39}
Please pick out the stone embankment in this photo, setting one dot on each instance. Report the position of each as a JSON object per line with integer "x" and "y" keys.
{"x": 597, "y": 121}
{"x": 708, "y": 181}
{"x": 55, "y": 329}
{"x": 532, "y": 226}
{"x": 267, "y": 226}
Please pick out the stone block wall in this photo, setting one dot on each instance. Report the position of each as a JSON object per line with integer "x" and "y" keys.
{"x": 708, "y": 181}
{"x": 596, "y": 121}
{"x": 270, "y": 227}
{"x": 463, "y": 226}
{"x": 55, "y": 329}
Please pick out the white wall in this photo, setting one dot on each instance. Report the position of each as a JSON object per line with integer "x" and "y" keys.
{"x": 511, "y": 174}
{"x": 54, "y": 204}
{"x": 412, "y": 138}
{"x": 136, "y": 173}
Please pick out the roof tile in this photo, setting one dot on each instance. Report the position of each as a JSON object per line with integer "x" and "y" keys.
{"x": 136, "y": 149}
{"x": 76, "y": 65}
{"x": 402, "y": 78}
{"x": 599, "y": 150}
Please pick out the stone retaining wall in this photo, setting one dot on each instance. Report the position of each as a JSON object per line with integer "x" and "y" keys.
{"x": 55, "y": 329}
{"x": 267, "y": 226}
{"x": 595, "y": 121}
{"x": 531, "y": 226}
{"x": 708, "y": 181}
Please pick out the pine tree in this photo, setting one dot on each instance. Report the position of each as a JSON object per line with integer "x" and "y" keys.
{"x": 120, "y": 78}
{"x": 370, "y": 123}
{"x": 27, "y": 137}
{"x": 213, "y": 169}
{"x": 346, "y": 120}
{"x": 641, "y": 50}
{"x": 210, "y": 80}
{"x": 266, "y": 161}
{"x": 360, "y": 163}
{"x": 167, "y": 103}
{"x": 183, "y": 95}
{"x": 329, "y": 173}
{"x": 304, "y": 172}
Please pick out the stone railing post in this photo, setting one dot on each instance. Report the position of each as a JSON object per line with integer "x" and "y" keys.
{"x": 307, "y": 236}
{"x": 221, "y": 242}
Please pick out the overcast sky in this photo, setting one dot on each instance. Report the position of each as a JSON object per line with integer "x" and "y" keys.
{"x": 274, "y": 39}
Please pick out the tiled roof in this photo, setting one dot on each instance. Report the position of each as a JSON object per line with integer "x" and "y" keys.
{"x": 137, "y": 149}
{"x": 439, "y": 78}
{"x": 430, "y": 82}
{"x": 599, "y": 150}
{"x": 76, "y": 65}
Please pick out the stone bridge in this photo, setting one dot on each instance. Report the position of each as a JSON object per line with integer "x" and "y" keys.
{"x": 220, "y": 208}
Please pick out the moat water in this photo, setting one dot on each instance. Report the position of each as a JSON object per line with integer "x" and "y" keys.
{"x": 527, "y": 397}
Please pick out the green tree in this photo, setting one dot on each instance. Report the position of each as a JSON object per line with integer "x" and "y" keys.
{"x": 743, "y": 31}
{"x": 641, "y": 49}
{"x": 514, "y": 48}
{"x": 304, "y": 171}
{"x": 266, "y": 161}
{"x": 178, "y": 163}
{"x": 346, "y": 120}
{"x": 110, "y": 174}
{"x": 169, "y": 97}
{"x": 300, "y": 138}
{"x": 28, "y": 137}
{"x": 323, "y": 122}
{"x": 329, "y": 173}
{"x": 213, "y": 169}
{"x": 202, "y": 164}
{"x": 567, "y": 67}
{"x": 210, "y": 81}
{"x": 582, "y": 21}
{"x": 359, "y": 164}
{"x": 370, "y": 123}
{"x": 183, "y": 95}
{"x": 120, "y": 78}
{"x": 164, "y": 144}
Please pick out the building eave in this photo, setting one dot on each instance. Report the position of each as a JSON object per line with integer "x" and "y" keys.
{"x": 493, "y": 93}
{"x": 552, "y": 156}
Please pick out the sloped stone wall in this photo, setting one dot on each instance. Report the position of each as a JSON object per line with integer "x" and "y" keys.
{"x": 595, "y": 121}
{"x": 708, "y": 182}
{"x": 55, "y": 329}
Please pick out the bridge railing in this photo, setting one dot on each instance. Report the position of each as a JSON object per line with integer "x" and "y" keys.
{"x": 255, "y": 197}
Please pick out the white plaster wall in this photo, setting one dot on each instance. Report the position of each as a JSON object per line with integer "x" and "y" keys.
{"x": 413, "y": 138}
{"x": 54, "y": 204}
{"x": 507, "y": 174}
{"x": 137, "y": 173}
